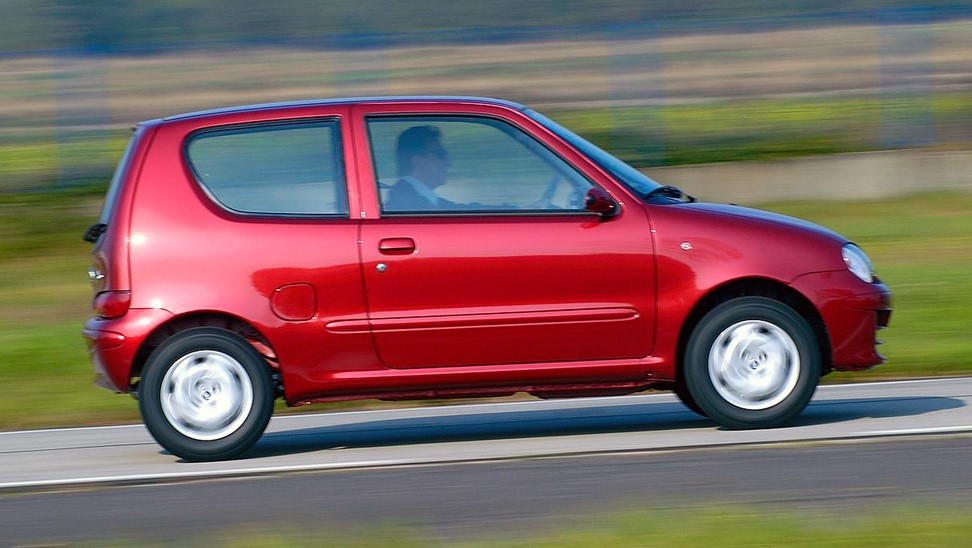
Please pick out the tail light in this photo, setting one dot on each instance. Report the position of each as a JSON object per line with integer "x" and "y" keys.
{"x": 112, "y": 304}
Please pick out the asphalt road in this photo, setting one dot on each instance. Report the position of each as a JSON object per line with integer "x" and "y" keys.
{"x": 482, "y": 469}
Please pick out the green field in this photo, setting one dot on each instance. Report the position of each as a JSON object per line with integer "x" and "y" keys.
{"x": 920, "y": 244}
{"x": 703, "y": 527}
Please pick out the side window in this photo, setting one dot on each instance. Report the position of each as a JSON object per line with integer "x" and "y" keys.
{"x": 430, "y": 164}
{"x": 279, "y": 169}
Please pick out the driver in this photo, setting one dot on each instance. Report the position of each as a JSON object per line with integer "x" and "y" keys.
{"x": 423, "y": 164}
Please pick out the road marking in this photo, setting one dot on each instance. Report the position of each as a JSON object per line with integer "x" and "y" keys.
{"x": 907, "y": 431}
{"x": 72, "y": 429}
{"x": 902, "y": 381}
{"x": 143, "y": 478}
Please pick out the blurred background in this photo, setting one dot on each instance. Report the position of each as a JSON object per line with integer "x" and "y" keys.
{"x": 657, "y": 83}
{"x": 856, "y": 114}
{"x": 853, "y": 113}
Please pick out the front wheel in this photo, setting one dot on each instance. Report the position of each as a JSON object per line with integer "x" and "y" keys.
{"x": 206, "y": 394}
{"x": 686, "y": 398}
{"x": 752, "y": 362}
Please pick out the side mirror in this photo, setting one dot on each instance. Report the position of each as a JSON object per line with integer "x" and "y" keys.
{"x": 598, "y": 201}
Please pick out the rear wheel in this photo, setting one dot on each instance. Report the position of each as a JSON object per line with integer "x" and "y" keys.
{"x": 752, "y": 362}
{"x": 206, "y": 394}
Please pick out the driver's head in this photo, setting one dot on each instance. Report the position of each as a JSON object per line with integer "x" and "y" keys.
{"x": 420, "y": 154}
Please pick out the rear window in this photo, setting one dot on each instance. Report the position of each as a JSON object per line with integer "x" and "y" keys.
{"x": 284, "y": 169}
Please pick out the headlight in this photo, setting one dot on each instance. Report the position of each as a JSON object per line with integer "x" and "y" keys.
{"x": 858, "y": 263}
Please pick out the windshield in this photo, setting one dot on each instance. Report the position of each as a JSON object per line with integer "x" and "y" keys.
{"x": 635, "y": 180}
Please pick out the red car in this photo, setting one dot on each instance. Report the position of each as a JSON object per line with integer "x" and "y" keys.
{"x": 424, "y": 247}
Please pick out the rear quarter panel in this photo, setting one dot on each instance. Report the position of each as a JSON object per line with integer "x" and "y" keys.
{"x": 190, "y": 255}
{"x": 110, "y": 252}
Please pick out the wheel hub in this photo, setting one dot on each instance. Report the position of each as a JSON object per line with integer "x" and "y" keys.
{"x": 206, "y": 395}
{"x": 754, "y": 364}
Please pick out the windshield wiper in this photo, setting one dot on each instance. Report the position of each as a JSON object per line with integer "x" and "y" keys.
{"x": 669, "y": 191}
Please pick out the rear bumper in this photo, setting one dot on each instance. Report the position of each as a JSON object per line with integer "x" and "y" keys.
{"x": 113, "y": 345}
{"x": 853, "y": 312}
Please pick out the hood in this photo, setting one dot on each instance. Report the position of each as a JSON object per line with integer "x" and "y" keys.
{"x": 765, "y": 216}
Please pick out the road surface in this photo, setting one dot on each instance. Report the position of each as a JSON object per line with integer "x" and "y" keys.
{"x": 492, "y": 470}
{"x": 478, "y": 432}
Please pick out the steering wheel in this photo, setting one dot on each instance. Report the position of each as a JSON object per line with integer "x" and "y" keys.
{"x": 545, "y": 200}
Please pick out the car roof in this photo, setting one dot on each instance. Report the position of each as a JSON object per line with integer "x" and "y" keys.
{"x": 347, "y": 100}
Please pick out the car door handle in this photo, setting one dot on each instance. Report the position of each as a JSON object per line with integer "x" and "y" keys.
{"x": 396, "y": 246}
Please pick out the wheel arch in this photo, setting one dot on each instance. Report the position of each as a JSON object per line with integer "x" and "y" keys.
{"x": 756, "y": 287}
{"x": 220, "y": 320}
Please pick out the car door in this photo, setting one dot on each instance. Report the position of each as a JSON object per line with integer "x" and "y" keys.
{"x": 496, "y": 261}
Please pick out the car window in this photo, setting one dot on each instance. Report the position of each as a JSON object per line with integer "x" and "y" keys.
{"x": 279, "y": 169}
{"x": 442, "y": 164}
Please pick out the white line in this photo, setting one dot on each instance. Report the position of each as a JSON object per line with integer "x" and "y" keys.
{"x": 73, "y": 429}
{"x": 201, "y": 474}
{"x": 267, "y": 470}
{"x": 902, "y": 381}
{"x": 934, "y": 430}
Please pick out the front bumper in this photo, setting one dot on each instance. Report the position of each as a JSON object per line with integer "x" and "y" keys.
{"x": 113, "y": 345}
{"x": 853, "y": 312}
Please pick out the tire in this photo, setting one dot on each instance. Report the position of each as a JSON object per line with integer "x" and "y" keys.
{"x": 686, "y": 398}
{"x": 206, "y": 394}
{"x": 752, "y": 362}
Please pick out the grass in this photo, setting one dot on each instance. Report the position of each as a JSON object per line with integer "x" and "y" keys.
{"x": 47, "y": 164}
{"x": 919, "y": 244}
{"x": 44, "y": 300}
{"x": 703, "y": 527}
